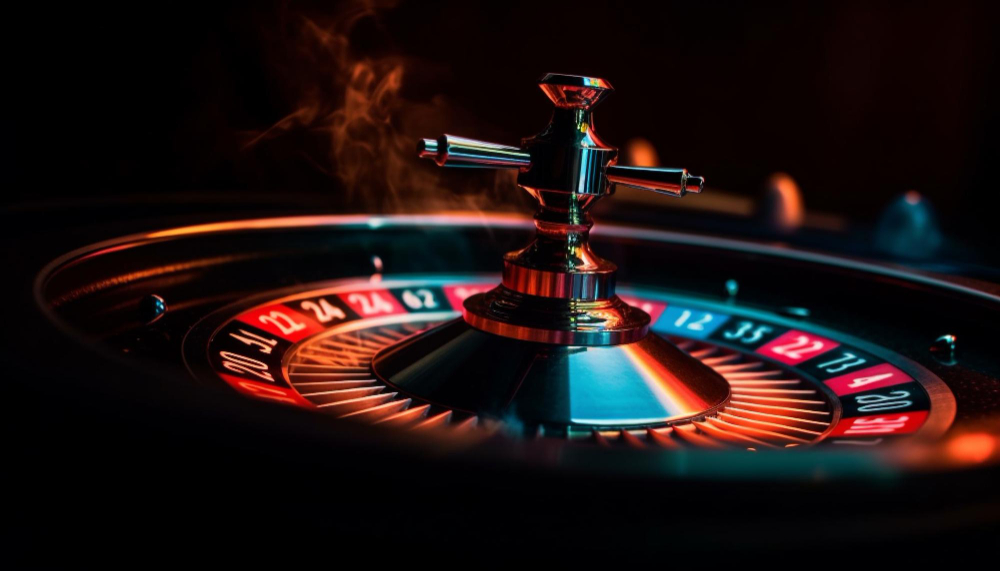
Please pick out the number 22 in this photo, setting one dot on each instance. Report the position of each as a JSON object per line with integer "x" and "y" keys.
{"x": 801, "y": 346}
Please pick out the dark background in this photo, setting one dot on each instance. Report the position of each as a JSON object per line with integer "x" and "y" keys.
{"x": 859, "y": 101}
{"x": 134, "y": 112}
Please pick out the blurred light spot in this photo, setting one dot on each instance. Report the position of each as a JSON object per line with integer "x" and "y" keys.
{"x": 732, "y": 287}
{"x": 782, "y": 208}
{"x": 908, "y": 228}
{"x": 972, "y": 448}
{"x": 377, "y": 264}
{"x": 640, "y": 152}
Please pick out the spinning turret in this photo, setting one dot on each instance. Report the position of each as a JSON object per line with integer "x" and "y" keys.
{"x": 553, "y": 339}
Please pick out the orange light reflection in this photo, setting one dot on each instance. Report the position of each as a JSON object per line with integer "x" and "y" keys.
{"x": 672, "y": 393}
{"x": 972, "y": 448}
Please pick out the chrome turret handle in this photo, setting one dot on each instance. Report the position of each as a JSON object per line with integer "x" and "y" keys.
{"x": 567, "y": 157}
{"x": 557, "y": 290}
{"x": 672, "y": 182}
{"x": 554, "y": 329}
{"x": 452, "y": 151}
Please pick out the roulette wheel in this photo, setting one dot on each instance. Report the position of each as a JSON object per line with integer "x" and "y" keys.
{"x": 447, "y": 382}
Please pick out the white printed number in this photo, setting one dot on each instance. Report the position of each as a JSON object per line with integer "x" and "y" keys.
{"x": 245, "y": 365}
{"x": 748, "y": 332}
{"x": 877, "y": 425}
{"x": 285, "y": 324}
{"x": 842, "y": 364}
{"x": 684, "y": 321}
{"x": 801, "y": 346}
{"x": 263, "y": 344}
{"x": 419, "y": 299}
{"x": 324, "y": 311}
{"x": 371, "y": 304}
{"x": 877, "y": 403}
{"x": 862, "y": 381}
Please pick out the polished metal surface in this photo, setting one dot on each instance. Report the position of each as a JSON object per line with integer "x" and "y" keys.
{"x": 567, "y": 165}
{"x": 559, "y": 263}
{"x": 553, "y": 343}
{"x": 672, "y": 182}
{"x": 943, "y": 349}
{"x": 566, "y": 168}
{"x": 647, "y": 383}
{"x": 452, "y": 151}
{"x": 574, "y": 91}
{"x": 508, "y": 313}
{"x": 152, "y": 308}
{"x": 568, "y": 157}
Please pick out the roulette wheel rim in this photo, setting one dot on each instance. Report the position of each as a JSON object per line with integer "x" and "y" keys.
{"x": 191, "y": 276}
{"x": 453, "y": 220}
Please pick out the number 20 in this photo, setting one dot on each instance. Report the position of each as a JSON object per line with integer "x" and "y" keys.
{"x": 240, "y": 364}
